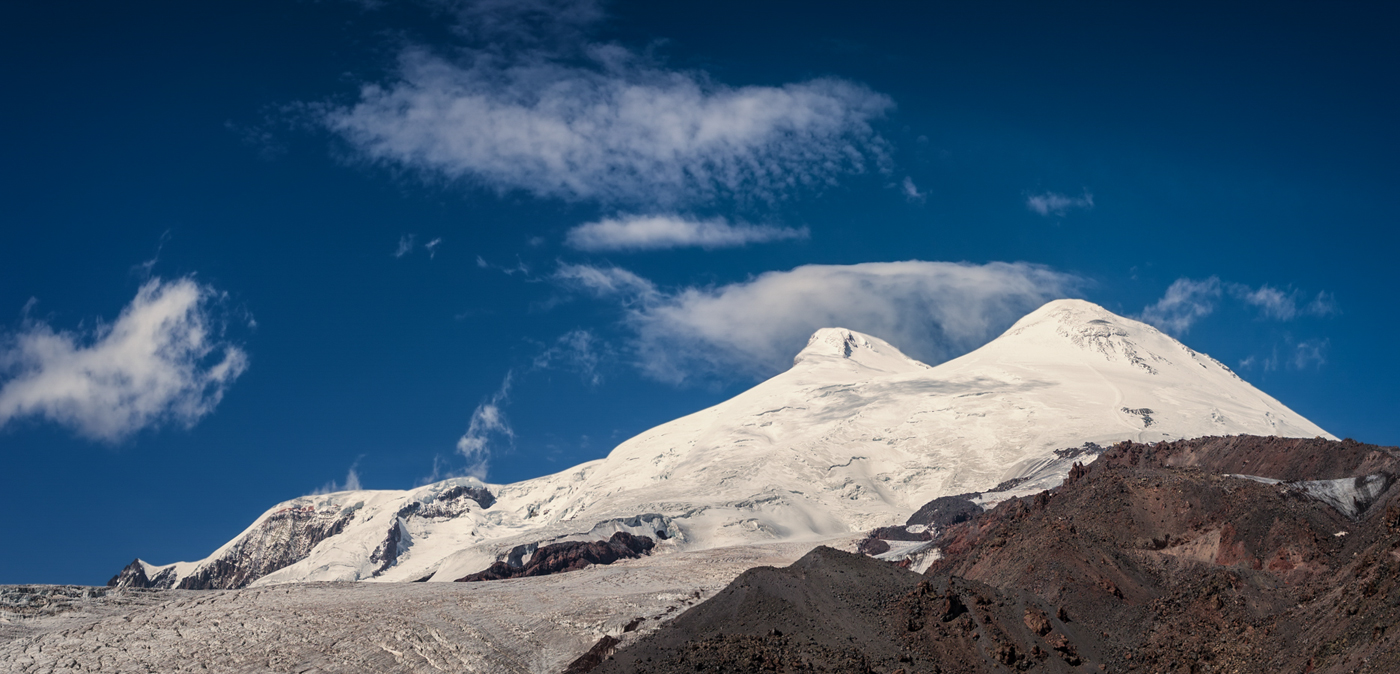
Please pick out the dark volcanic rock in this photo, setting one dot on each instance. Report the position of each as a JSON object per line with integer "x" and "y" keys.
{"x": 134, "y": 575}
{"x": 833, "y": 611}
{"x": 945, "y": 511}
{"x": 455, "y": 501}
{"x": 1151, "y": 559}
{"x": 387, "y": 554}
{"x": 568, "y": 556}
{"x": 595, "y": 656}
{"x": 1176, "y": 564}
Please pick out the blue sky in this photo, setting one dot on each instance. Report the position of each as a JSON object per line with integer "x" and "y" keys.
{"x": 252, "y": 251}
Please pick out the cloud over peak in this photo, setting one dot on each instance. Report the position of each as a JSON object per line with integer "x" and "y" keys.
{"x": 752, "y": 328}
{"x": 161, "y": 361}
{"x": 655, "y": 232}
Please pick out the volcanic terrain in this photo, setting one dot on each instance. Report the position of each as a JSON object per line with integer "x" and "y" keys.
{"x": 1154, "y": 558}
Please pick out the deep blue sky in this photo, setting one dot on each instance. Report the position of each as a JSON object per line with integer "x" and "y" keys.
{"x": 1244, "y": 157}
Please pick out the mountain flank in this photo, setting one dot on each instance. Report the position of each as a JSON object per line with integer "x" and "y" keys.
{"x": 1155, "y": 558}
{"x": 855, "y": 436}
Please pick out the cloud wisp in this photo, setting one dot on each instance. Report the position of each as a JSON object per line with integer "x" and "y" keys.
{"x": 1300, "y": 356}
{"x": 1188, "y": 300}
{"x": 1049, "y": 204}
{"x": 351, "y": 483}
{"x": 162, "y": 361}
{"x": 488, "y": 423}
{"x": 911, "y": 191}
{"x": 657, "y": 232}
{"x": 532, "y": 105}
{"x": 577, "y": 351}
{"x": 1185, "y": 302}
{"x": 932, "y": 310}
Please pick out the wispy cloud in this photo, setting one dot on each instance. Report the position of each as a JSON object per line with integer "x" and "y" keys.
{"x": 519, "y": 268}
{"x": 405, "y": 245}
{"x": 432, "y": 247}
{"x": 613, "y": 282}
{"x": 911, "y": 191}
{"x": 1054, "y": 203}
{"x": 933, "y": 310}
{"x": 162, "y": 360}
{"x": 655, "y": 232}
{"x": 578, "y": 351}
{"x": 531, "y": 104}
{"x": 351, "y": 483}
{"x": 1284, "y": 305}
{"x": 1187, "y": 301}
{"x": 1311, "y": 352}
{"x": 488, "y": 424}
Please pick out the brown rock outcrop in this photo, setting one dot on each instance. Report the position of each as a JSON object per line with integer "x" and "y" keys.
{"x": 568, "y": 556}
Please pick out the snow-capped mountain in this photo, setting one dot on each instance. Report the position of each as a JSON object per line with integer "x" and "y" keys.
{"x": 854, "y": 436}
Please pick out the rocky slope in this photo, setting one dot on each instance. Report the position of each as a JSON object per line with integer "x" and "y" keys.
{"x": 855, "y": 436}
{"x": 1155, "y": 558}
{"x": 835, "y": 611}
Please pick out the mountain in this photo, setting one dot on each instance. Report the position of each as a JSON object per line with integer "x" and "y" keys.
{"x": 1206, "y": 555}
{"x": 855, "y": 435}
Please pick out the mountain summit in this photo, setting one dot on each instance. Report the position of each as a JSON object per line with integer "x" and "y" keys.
{"x": 855, "y": 435}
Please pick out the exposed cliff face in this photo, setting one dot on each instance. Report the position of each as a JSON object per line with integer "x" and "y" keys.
{"x": 283, "y": 538}
{"x": 568, "y": 556}
{"x": 134, "y": 575}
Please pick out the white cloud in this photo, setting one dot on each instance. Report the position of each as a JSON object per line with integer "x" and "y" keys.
{"x": 431, "y": 247}
{"x": 1185, "y": 302}
{"x": 911, "y": 191}
{"x": 1054, "y": 203}
{"x": 488, "y": 421}
{"x": 606, "y": 282}
{"x": 161, "y": 361}
{"x": 519, "y": 268}
{"x": 576, "y": 350}
{"x": 654, "y": 232}
{"x": 1310, "y": 352}
{"x": 405, "y": 245}
{"x": 351, "y": 483}
{"x": 1284, "y": 306}
{"x": 535, "y": 107}
{"x": 1322, "y": 305}
{"x": 932, "y": 310}
{"x": 1272, "y": 302}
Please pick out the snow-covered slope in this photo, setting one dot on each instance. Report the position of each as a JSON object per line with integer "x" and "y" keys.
{"x": 855, "y": 435}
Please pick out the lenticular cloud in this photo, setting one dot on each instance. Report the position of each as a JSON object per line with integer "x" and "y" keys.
{"x": 656, "y": 232}
{"x": 161, "y": 361}
{"x": 931, "y": 310}
{"x": 614, "y": 130}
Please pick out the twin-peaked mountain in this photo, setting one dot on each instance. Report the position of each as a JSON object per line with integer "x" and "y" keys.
{"x": 854, "y": 436}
